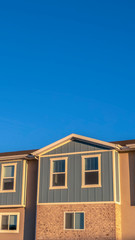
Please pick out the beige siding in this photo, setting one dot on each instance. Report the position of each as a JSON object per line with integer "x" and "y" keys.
{"x": 127, "y": 209}
{"x": 14, "y": 236}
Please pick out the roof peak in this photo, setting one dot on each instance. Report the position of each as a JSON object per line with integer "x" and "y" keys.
{"x": 78, "y": 137}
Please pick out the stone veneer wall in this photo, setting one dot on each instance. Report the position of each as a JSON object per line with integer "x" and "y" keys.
{"x": 100, "y": 222}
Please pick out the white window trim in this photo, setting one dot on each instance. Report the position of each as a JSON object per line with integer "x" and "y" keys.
{"x": 2, "y": 177}
{"x": 9, "y": 214}
{"x": 51, "y": 173}
{"x": 73, "y": 229}
{"x": 99, "y": 171}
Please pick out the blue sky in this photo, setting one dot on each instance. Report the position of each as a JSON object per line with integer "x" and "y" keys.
{"x": 66, "y": 67}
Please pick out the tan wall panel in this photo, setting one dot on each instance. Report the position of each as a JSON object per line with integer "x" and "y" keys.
{"x": 118, "y": 221}
{"x": 127, "y": 210}
{"x": 14, "y": 236}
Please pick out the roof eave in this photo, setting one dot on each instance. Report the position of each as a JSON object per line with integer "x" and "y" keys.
{"x": 13, "y": 157}
{"x": 17, "y": 157}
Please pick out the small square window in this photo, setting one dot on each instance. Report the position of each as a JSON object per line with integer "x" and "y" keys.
{"x": 58, "y": 166}
{"x": 9, "y": 222}
{"x": 58, "y": 173}
{"x": 8, "y": 177}
{"x": 9, "y": 171}
{"x": 91, "y": 171}
{"x": 58, "y": 179}
{"x": 91, "y": 178}
{"x": 91, "y": 163}
{"x": 74, "y": 220}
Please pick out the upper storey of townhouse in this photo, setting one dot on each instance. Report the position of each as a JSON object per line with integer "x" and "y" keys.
{"x": 13, "y": 178}
{"x": 73, "y": 169}
{"x": 79, "y": 169}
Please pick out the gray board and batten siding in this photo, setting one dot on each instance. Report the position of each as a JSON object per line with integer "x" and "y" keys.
{"x": 74, "y": 192}
{"x": 13, "y": 198}
{"x": 77, "y": 146}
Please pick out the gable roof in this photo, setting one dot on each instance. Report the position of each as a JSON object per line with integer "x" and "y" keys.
{"x": 75, "y": 137}
{"x": 119, "y": 145}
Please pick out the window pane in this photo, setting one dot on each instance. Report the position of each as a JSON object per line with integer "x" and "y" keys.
{"x": 8, "y": 184}
{"x": 9, "y": 171}
{"x": 69, "y": 221}
{"x": 4, "y": 224}
{"x": 13, "y": 222}
{"x": 91, "y": 163}
{"x": 58, "y": 179}
{"x": 91, "y": 178}
{"x": 79, "y": 220}
{"x": 59, "y": 166}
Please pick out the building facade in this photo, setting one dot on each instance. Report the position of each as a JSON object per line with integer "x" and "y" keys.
{"x": 75, "y": 188}
{"x": 18, "y": 188}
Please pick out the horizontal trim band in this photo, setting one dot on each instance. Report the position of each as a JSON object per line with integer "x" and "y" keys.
{"x": 63, "y": 203}
{"x": 12, "y": 206}
{"x": 73, "y": 153}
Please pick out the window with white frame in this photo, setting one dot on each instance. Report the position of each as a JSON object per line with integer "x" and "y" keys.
{"x": 58, "y": 173}
{"x": 74, "y": 220}
{"x": 8, "y": 177}
{"x": 91, "y": 171}
{"x": 9, "y": 222}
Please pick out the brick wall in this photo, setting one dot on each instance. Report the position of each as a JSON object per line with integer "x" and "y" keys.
{"x": 99, "y": 222}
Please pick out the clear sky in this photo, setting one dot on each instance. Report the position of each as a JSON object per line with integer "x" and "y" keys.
{"x": 66, "y": 67}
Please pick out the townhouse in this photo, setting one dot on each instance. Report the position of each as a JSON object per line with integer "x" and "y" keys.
{"x": 18, "y": 187}
{"x": 75, "y": 188}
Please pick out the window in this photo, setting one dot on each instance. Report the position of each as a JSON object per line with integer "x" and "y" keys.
{"x": 58, "y": 173}
{"x": 74, "y": 220}
{"x": 9, "y": 222}
{"x": 91, "y": 171}
{"x": 8, "y": 177}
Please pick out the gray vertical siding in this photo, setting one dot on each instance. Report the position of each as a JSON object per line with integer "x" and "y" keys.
{"x": 13, "y": 198}
{"x": 75, "y": 193}
{"x": 117, "y": 177}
